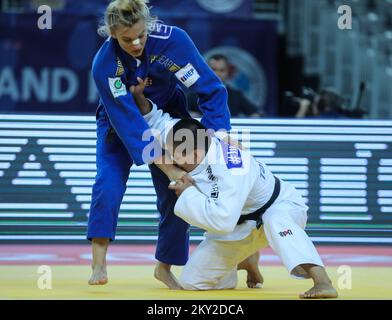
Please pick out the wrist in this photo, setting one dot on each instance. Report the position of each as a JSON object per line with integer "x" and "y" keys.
{"x": 143, "y": 103}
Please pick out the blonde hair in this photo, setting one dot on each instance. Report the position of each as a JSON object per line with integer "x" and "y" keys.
{"x": 125, "y": 13}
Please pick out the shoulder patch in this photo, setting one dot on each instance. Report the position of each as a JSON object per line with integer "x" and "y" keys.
{"x": 160, "y": 31}
{"x": 120, "y": 68}
{"x": 117, "y": 87}
{"x": 232, "y": 156}
{"x": 187, "y": 75}
{"x": 165, "y": 61}
{"x": 153, "y": 58}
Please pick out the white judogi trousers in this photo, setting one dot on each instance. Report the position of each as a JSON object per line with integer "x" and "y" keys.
{"x": 213, "y": 264}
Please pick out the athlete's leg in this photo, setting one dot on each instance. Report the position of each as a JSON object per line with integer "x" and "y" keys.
{"x": 113, "y": 165}
{"x": 284, "y": 226}
{"x": 322, "y": 287}
{"x": 99, "y": 271}
{"x": 173, "y": 237}
{"x": 213, "y": 264}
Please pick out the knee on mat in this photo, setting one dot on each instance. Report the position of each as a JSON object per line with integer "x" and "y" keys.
{"x": 202, "y": 282}
{"x": 186, "y": 283}
{"x": 190, "y": 283}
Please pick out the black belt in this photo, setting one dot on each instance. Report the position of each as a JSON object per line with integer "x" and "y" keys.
{"x": 257, "y": 215}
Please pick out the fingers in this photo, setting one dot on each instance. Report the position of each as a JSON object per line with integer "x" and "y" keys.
{"x": 139, "y": 88}
{"x": 142, "y": 83}
{"x": 140, "y": 80}
{"x": 178, "y": 186}
{"x": 174, "y": 185}
{"x": 186, "y": 178}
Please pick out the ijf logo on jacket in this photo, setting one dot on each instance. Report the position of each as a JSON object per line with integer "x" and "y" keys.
{"x": 232, "y": 156}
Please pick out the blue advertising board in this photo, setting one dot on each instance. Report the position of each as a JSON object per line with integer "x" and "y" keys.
{"x": 49, "y": 70}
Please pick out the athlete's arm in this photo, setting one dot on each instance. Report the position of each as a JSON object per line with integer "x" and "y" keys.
{"x": 197, "y": 76}
{"x": 216, "y": 215}
{"x": 124, "y": 115}
{"x": 144, "y": 104}
{"x": 156, "y": 121}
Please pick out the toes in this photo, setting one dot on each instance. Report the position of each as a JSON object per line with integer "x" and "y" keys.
{"x": 259, "y": 285}
{"x": 315, "y": 295}
{"x": 101, "y": 281}
{"x": 306, "y": 295}
{"x": 253, "y": 285}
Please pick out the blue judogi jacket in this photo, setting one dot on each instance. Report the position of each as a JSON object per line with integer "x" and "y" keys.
{"x": 171, "y": 60}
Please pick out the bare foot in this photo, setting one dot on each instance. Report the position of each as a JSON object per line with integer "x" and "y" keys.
{"x": 251, "y": 264}
{"x": 322, "y": 283}
{"x": 99, "y": 276}
{"x": 99, "y": 248}
{"x": 320, "y": 291}
{"x": 162, "y": 273}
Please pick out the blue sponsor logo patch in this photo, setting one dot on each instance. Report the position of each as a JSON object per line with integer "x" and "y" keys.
{"x": 232, "y": 156}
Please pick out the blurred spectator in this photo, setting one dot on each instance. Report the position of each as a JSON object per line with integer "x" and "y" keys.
{"x": 326, "y": 104}
{"x": 239, "y": 105}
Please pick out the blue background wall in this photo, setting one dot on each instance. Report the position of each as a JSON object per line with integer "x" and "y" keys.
{"x": 49, "y": 70}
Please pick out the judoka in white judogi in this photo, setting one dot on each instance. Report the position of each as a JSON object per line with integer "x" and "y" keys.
{"x": 230, "y": 183}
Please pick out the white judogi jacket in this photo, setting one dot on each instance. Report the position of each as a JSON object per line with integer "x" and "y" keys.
{"x": 229, "y": 182}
